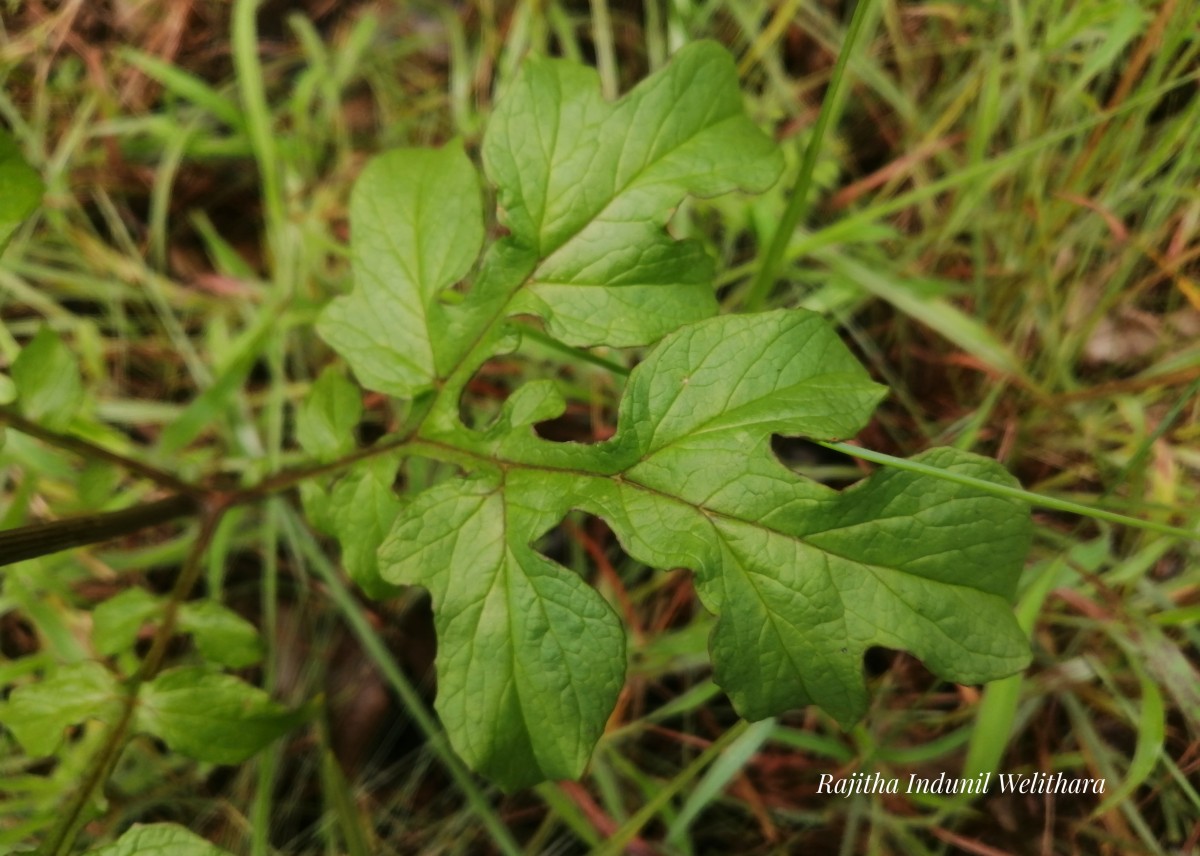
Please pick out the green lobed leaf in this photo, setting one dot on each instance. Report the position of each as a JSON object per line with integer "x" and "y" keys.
{"x": 159, "y": 839}
{"x": 211, "y": 716}
{"x": 417, "y": 221}
{"x": 586, "y": 188}
{"x": 588, "y": 185}
{"x": 361, "y": 509}
{"x": 803, "y": 578}
{"x": 37, "y": 714}
{"x": 530, "y": 657}
{"x": 49, "y": 388}
{"x": 20, "y": 188}
{"x": 326, "y": 420}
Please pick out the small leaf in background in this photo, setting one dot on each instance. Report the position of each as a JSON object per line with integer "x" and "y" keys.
{"x": 532, "y": 402}
{"x": 38, "y": 714}
{"x": 116, "y": 621}
{"x": 159, "y": 839}
{"x": 220, "y": 634}
{"x": 314, "y": 497}
{"x": 326, "y": 420}
{"x": 98, "y": 484}
{"x": 8, "y": 394}
{"x": 49, "y": 389}
{"x": 211, "y": 716}
{"x": 20, "y": 188}
{"x": 362, "y": 508}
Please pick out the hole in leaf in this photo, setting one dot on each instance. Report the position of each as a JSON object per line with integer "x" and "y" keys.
{"x": 815, "y": 462}
{"x": 878, "y": 660}
{"x": 18, "y": 637}
{"x": 555, "y": 545}
{"x": 575, "y": 426}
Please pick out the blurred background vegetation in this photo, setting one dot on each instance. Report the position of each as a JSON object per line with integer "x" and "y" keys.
{"x": 1005, "y": 224}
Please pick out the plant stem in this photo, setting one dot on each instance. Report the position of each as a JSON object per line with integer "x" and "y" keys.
{"x": 41, "y": 539}
{"x": 62, "y": 838}
{"x": 184, "y": 583}
{"x": 797, "y": 205}
{"x": 285, "y": 479}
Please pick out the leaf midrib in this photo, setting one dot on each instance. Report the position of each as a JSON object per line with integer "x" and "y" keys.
{"x": 506, "y": 464}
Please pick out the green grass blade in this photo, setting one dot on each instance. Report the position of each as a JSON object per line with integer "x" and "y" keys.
{"x": 1030, "y": 497}
{"x": 621, "y": 838}
{"x": 797, "y": 206}
{"x": 710, "y": 787}
{"x": 1151, "y": 731}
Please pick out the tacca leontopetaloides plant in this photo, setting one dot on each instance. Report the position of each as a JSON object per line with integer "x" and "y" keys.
{"x": 802, "y": 578}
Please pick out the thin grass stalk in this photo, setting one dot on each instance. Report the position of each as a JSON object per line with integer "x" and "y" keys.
{"x": 797, "y": 206}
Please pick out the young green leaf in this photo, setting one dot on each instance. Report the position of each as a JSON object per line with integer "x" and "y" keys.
{"x": 221, "y": 635}
{"x": 417, "y": 217}
{"x": 49, "y": 389}
{"x": 212, "y": 717}
{"x": 20, "y": 188}
{"x": 37, "y": 714}
{"x": 159, "y": 839}
{"x": 533, "y": 402}
{"x": 116, "y": 622}
{"x": 325, "y": 423}
{"x": 362, "y": 507}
